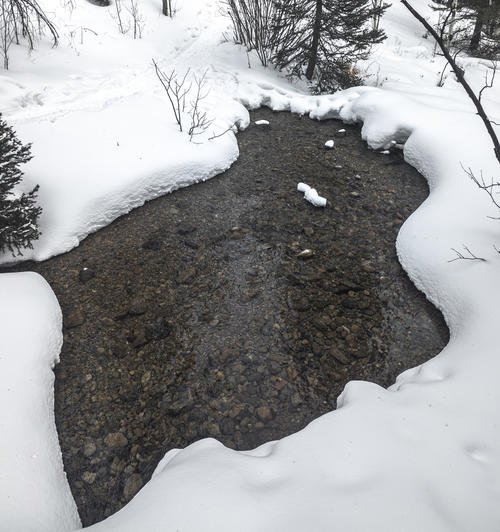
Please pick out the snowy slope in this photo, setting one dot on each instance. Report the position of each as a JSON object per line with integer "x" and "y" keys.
{"x": 34, "y": 493}
{"x": 422, "y": 455}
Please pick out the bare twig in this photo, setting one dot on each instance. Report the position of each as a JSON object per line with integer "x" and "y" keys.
{"x": 199, "y": 119}
{"x": 25, "y": 18}
{"x": 492, "y": 188}
{"x": 488, "y": 83}
{"x": 470, "y": 256}
{"x": 230, "y": 128}
{"x": 176, "y": 90}
{"x": 118, "y": 11}
{"x": 137, "y": 19}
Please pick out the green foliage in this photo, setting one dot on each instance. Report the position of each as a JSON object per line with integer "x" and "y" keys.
{"x": 321, "y": 40}
{"x": 18, "y": 211}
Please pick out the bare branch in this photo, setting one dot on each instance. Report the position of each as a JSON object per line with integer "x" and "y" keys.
{"x": 176, "y": 91}
{"x": 470, "y": 256}
{"x": 230, "y": 128}
{"x": 461, "y": 78}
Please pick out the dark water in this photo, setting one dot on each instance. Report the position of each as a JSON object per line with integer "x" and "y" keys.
{"x": 202, "y": 319}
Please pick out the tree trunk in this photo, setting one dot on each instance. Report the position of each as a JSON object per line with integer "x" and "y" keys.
{"x": 167, "y": 8}
{"x": 476, "y": 34}
{"x": 313, "y": 54}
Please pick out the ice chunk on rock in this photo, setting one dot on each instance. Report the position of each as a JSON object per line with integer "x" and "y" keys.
{"x": 329, "y": 144}
{"x": 311, "y": 195}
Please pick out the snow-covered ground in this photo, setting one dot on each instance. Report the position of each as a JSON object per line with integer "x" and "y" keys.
{"x": 422, "y": 455}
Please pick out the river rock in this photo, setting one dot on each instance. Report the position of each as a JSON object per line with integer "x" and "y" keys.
{"x": 74, "y": 319}
{"x": 132, "y": 485}
{"x": 115, "y": 440}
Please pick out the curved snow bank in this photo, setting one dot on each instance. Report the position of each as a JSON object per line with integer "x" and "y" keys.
{"x": 422, "y": 455}
{"x": 34, "y": 493}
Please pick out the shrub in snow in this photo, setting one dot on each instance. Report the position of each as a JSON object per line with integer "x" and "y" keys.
{"x": 18, "y": 211}
{"x": 253, "y": 25}
{"x": 22, "y": 19}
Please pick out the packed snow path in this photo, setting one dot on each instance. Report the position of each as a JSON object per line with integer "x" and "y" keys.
{"x": 196, "y": 315}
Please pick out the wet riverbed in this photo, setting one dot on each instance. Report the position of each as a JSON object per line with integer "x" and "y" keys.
{"x": 197, "y": 316}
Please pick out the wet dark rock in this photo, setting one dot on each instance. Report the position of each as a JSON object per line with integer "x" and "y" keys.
{"x": 138, "y": 337}
{"x": 74, "y": 319}
{"x": 137, "y": 306}
{"x": 298, "y": 302}
{"x": 186, "y": 275}
{"x": 175, "y": 402}
{"x": 157, "y": 330}
{"x": 338, "y": 355}
{"x": 85, "y": 274}
{"x": 120, "y": 348}
{"x": 185, "y": 228}
{"x": 152, "y": 244}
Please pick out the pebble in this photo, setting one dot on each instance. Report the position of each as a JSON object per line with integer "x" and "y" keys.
{"x": 137, "y": 306}
{"x": 132, "y": 485}
{"x": 74, "y": 319}
{"x": 85, "y": 274}
{"x": 89, "y": 449}
{"x": 115, "y": 440}
{"x": 264, "y": 413}
{"x": 89, "y": 477}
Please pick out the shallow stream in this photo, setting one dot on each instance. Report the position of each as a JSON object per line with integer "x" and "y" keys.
{"x": 197, "y": 317}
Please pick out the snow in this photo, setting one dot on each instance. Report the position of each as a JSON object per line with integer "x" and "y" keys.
{"x": 34, "y": 493}
{"x": 262, "y": 122}
{"x": 311, "y": 195}
{"x": 422, "y": 455}
{"x": 329, "y": 144}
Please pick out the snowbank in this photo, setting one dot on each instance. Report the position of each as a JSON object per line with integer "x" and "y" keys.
{"x": 35, "y": 495}
{"x": 422, "y": 455}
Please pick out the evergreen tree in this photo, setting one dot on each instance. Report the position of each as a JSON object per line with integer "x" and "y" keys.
{"x": 322, "y": 39}
{"x": 470, "y": 25}
{"x": 18, "y": 211}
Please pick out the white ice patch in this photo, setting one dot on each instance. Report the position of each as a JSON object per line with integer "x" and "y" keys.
{"x": 311, "y": 195}
{"x": 329, "y": 144}
{"x": 261, "y": 122}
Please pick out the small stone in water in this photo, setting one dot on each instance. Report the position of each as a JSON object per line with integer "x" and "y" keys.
{"x": 305, "y": 254}
{"x": 85, "y": 275}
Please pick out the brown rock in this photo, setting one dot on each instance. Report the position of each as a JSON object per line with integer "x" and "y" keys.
{"x": 115, "y": 440}
{"x": 74, "y": 319}
{"x": 89, "y": 477}
{"x": 132, "y": 485}
{"x": 137, "y": 306}
{"x": 338, "y": 355}
{"x": 264, "y": 413}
